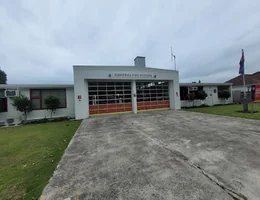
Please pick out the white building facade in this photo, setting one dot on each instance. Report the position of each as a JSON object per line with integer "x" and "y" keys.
{"x": 212, "y": 90}
{"x": 113, "y": 89}
{"x": 37, "y": 94}
{"x": 101, "y": 90}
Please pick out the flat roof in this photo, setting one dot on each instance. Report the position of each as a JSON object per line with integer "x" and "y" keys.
{"x": 204, "y": 84}
{"x": 121, "y": 67}
{"x": 14, "y": 86}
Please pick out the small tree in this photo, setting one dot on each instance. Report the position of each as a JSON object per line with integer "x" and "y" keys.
{"x": 192, "y": 97}
{"x": 22, "y": 104}
{"x": 201, "y": 95}
{"x": 225, "y": 94}
{"x": 3, "y": 77}
{"x": 52, "y": 103}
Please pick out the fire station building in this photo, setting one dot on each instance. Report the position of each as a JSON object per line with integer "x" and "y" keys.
{"x": 114, "y": 89}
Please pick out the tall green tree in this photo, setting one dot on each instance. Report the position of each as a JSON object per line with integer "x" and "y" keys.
{"x": 3, "y": 77}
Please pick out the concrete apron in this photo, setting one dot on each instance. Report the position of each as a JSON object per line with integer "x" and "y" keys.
{"x": 144, "y": 156}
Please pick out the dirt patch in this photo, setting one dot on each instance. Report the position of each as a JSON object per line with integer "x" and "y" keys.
{"x": 15, "y": 193}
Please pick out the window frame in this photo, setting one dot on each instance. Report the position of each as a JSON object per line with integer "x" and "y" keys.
{"x": 6, "y": 102}
{"x": 40, "y": 97}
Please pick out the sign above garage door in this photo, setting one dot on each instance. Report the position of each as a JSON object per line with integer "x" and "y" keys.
{"x": 132, "y": 75}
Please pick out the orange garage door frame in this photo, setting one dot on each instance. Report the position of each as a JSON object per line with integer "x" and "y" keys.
{"x": 152, "y": 105}
{"x": 110, "y": 108}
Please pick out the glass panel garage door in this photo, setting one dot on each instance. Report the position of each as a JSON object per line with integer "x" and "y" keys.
{"x": 109, "y": 97}
{"x": 152, "y": 95}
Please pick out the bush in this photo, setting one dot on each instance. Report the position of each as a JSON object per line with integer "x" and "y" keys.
{"x": 22, "y": 104}
{"x": 225, "y": 94}
{"x": 201, "y": 95}
{"x": 45, "y": 120}
{"x": 191, "y": 97}
{"x": 201, "y": 106}
{"x": 52, "y": 103}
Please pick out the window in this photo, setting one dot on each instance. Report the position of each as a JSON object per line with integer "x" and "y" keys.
{"x": 184, "y": 93}
{"x": 221, "y": 89}
{"x": 39, "y": 95}
{"x": 3, "y": 101}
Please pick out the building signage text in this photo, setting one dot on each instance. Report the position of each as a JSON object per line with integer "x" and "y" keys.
{"x": 132, "y": 75}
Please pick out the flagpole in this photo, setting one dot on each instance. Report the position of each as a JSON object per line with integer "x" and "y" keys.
{"x": 175, "y": 62}
{"x": 174, "y": 59}
{"x": 244, "y": 83}
{"x": 171, "y": 58}
{"x": 242, "y": 70}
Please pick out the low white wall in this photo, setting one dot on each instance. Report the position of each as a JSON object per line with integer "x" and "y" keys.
{"x": 39, "y": 114}
{"x": 186, "y": 103}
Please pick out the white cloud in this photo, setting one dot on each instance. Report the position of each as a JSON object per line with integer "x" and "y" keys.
{"x": 41, "y": 40}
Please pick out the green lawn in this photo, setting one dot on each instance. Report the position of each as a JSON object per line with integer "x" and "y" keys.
{"x": 29, "y": 154}
{"x": 229, "y": 110}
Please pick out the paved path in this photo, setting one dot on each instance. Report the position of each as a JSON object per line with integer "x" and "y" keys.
{"x": 160, "y": 155}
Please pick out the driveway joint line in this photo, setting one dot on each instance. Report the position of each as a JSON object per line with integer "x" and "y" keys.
{"x": 235, "y": 195}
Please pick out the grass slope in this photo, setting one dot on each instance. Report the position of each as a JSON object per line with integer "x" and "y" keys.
{"x": 229, "y": 110}
{"x": 29, "y": 155}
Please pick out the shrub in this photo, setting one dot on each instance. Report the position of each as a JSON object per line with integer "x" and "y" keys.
{"x": 52, "y": 103}
{"x": 191, "y": 97}
{"x": 224, "y": 94}
{"x": 22, "y": 104}
{"x": 201, "y": 95}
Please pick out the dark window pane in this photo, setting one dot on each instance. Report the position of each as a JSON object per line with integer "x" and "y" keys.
{"x": 3, "y": 105}
{"x": 36, "y": 103}
{"x": 110, "y": 84}
{"x": 103, "y": 84}
{"x": 91, "y": 84}
{"x": 35, "y": 93}
{"x": 2, "y": 94}
{"x": 60, "y": 94}
{"x": 93, "y": 88}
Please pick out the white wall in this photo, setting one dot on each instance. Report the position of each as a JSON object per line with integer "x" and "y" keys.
{"x": 236, "y": 92}
{"x": 241, "y": 88}
{"x": 39, "y": 114}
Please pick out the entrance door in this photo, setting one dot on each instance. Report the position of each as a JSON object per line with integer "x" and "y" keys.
{"x": 152, "y": 95}
{"x": 209, "y": 99}
{"x": 109, "y": 97}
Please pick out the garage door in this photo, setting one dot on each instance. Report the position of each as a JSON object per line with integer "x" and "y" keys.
{"x": 152, "y": 95}
{"x": 109, "y": 97}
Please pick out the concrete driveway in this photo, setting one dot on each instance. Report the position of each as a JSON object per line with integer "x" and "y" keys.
{"x": 160, "y": 155}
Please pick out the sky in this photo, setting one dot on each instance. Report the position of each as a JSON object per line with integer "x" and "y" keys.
{"x": 40, "y": 41}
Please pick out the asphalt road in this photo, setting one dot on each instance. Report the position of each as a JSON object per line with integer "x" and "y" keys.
{"x": 160, "y": 155}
